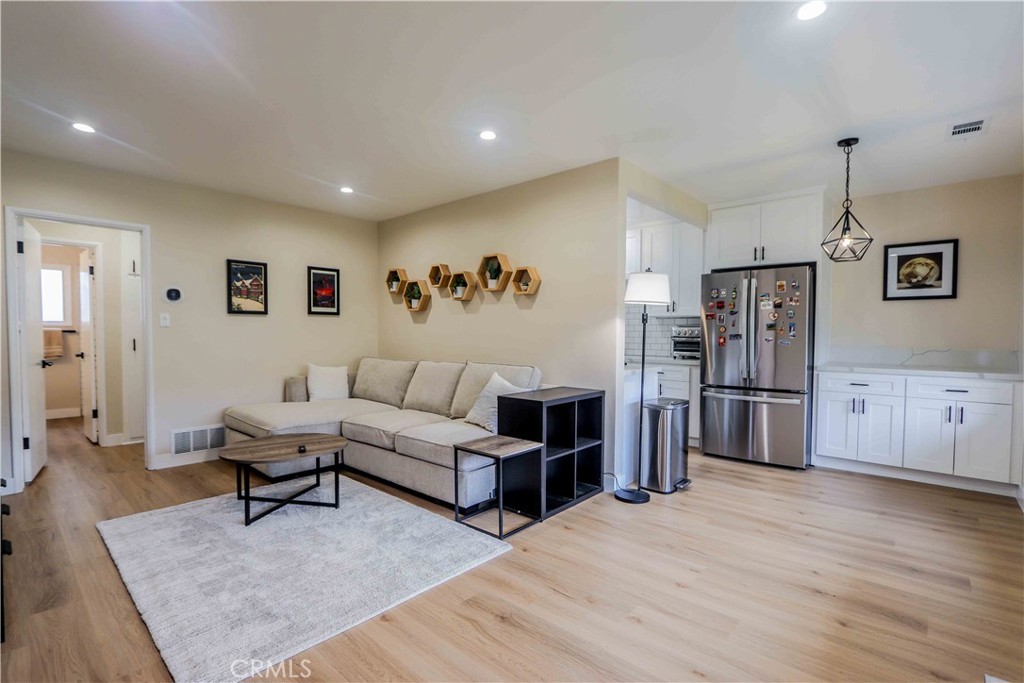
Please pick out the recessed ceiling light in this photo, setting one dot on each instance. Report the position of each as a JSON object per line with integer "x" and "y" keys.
{"x": 811, "y": 10}
{"x": 83, "y": 127}
{"x": 488, "y": 135}
{"x": 347, "y": 190}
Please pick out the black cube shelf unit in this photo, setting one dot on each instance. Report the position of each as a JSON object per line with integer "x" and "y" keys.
{"x": 570, "y": 423}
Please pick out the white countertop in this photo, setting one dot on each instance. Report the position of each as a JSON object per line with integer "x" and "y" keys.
{"x": 923, "y": 371}
{"x": 656, "y": 360}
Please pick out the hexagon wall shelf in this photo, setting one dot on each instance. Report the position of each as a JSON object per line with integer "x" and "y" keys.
{"x": 501, "y": 283}
{"x": 525, "y": 280}
{"x": 440, "y": 275}
{"x": 402, "y": 279}
{"x": 468, "y": 290}
{"x": 424, "y": 296}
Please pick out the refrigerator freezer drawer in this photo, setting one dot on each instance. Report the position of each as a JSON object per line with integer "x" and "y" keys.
{"x": 762, "y": 426}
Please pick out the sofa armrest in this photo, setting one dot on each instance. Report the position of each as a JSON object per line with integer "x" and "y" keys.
{"x": 295, "y": 390}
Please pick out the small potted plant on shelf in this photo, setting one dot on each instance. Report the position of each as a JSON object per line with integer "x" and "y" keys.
{"x": 393, "y": 281}
{"x": 493, "y": 273}
{"x": 413, "y": 295}
{"x": 459, "y": 285}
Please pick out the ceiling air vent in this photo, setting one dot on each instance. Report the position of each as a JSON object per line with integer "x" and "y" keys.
{"x": 969, "y": 129}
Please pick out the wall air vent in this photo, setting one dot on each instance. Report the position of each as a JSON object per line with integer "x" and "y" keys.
{"x": 197, "y": 439}
{"x": 970, "y": 129}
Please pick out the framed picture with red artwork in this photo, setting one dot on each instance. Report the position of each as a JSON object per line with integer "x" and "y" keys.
{"x": 322, "y": 290}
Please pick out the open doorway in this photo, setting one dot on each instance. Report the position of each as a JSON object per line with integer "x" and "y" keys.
{"x": 78, "y": 336}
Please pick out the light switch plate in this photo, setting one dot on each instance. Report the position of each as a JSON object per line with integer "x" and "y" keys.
{"x": 165, "y": 320}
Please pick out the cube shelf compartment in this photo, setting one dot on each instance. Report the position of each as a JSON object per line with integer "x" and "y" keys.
{"x": 424, "y": 296}
{"x": 525, "y": 280}
{"x": 439, "y": 275}
{"x": 402, "y": 280}
{"x": 470, "y": 285}
{"x": 570, "y": 424}
{"x": 505, "y": 275}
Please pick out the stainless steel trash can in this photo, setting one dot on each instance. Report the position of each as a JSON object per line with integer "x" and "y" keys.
{"x": 666, "y": 435}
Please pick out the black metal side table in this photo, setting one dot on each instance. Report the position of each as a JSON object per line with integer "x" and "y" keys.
{"x": 519, "y": 473}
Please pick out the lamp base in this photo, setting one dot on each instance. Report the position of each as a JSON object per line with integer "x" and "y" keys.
{"x": 630, "y": 496}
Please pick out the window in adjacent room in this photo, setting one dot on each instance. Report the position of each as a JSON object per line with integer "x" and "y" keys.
{"x": 56, "y": 295}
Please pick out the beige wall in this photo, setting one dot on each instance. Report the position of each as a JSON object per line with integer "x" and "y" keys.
{"x": 208, "y": 360}
{"x": 566, "y": 226}
{"x": 652, "y": 190}
{"x": 986, "y": 216}
{"x": 62, "y": 378}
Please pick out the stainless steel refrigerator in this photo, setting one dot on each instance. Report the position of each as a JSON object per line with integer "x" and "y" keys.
{"x": 757, "y": 364}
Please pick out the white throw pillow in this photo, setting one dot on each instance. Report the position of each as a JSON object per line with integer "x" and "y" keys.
{"x": 324, "y": 384}
{"x": 485, "y": 411}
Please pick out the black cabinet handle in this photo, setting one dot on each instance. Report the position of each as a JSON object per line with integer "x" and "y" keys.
{"x": 957, "y": 391}
{"x": 762, "y": 253}
{"x": 46, "y": 363}
{"x": 755, "y": 253}
{"x": 859, "y": 384}
{"x": 961, "y": 416}
{"x": 80, "y": 354}
{"x": 949, "y": 414}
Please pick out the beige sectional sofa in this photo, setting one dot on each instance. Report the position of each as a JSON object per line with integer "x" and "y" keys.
{"x": 402, "y": 422}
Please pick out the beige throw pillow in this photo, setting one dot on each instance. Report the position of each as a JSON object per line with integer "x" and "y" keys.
{"x": 485, "y": 411}
{"x": 324, "y": 384}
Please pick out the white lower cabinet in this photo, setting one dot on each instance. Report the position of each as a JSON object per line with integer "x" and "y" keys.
{"x": 962, "y": 427}
{"x": 982, "y": 446}
{"x": 861, "y": 427}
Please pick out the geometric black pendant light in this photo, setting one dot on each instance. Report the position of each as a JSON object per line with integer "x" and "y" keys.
{"x": 846, "y": 241}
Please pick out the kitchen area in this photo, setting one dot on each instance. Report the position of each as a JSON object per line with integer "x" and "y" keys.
{"x": 789, "y": 358}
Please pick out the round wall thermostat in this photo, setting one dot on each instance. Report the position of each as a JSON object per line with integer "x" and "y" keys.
{"x": 173, "y": 294}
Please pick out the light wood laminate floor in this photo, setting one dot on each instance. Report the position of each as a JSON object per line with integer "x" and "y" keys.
{"x": 755, "y": 573}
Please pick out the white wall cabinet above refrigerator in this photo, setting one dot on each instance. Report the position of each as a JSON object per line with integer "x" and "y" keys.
{"x": 785, "y": 229}
{"x": 677, "y": 249}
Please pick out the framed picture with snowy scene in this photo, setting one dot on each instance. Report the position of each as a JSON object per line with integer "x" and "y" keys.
{"x": 247, "y": 287}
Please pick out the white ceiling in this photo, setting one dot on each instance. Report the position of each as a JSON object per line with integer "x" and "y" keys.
{"x": 289, "y": 101}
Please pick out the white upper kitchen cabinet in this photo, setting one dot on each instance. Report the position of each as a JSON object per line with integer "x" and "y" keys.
{"x": 734, "y": 236}
{"x": 765, "y": 231}
{"x": 674, "y": 248}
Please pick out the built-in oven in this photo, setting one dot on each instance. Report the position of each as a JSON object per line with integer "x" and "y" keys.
{"x": 686, "y": 343}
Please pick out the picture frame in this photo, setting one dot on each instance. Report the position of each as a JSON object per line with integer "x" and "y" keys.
{"x": 920, "y": 270}
{"x": 323, "y": 291}
{"x": 247, "y": 287}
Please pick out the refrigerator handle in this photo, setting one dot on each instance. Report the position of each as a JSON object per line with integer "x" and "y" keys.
{"x": 744, "y": 360}
{"x": 752, "y": 330}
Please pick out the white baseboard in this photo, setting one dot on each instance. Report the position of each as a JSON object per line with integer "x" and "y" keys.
{"x": 58, "y": 413}
{"x": 1020, "y": 497}
{"x": 949, "y": 480}
{"x": 111, "y": 440}
{"x": 164, "y": 460}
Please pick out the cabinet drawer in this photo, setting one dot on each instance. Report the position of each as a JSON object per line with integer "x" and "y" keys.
{"x": 676, "y": 374}
{"x": 876, "y": 385}
{"x": 670, "y": 389}
{"x": 964, "y": 390}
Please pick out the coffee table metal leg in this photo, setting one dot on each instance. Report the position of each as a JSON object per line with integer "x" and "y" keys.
{"x": 238, "y": 479}
{"x": 337, "y": 475}
{"x": 318, "y": 470}
{"x": 247, "y": 502}
{"x": 456, "y": 475}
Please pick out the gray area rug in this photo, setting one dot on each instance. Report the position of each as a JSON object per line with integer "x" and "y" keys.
{"x": 223, "y": 601}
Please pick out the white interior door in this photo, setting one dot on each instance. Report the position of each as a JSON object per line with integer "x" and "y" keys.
{"x": 87, "y": 340}
{"x": 133, "y": 373}
{"x": 983, "y": 441}
{"x": 929, "y": 435}
{"x": 30, "y": 326}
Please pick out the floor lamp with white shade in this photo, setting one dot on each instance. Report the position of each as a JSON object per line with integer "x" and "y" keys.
{"x": 648, "y": 289}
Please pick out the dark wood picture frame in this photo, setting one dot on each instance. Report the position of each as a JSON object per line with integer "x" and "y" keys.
{"x": 311, "y": 308}
{"x": 241, "y": 288}
{"x": 949, "y": 270}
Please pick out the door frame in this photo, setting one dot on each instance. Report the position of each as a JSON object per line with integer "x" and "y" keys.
{"x": 14, "y": 295}
{"x": 99, "y": 334}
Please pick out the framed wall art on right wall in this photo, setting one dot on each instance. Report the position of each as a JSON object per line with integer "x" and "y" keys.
{"x": 920, "y": 270}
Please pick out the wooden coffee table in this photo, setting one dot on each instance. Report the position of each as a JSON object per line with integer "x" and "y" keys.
{"x": 283, "y": 448}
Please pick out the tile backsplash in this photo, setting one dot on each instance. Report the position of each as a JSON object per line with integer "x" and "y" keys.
{"x": 659, "y": 333}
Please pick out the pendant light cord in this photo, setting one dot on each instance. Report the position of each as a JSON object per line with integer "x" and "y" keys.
{"x": 847, "y": 204}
